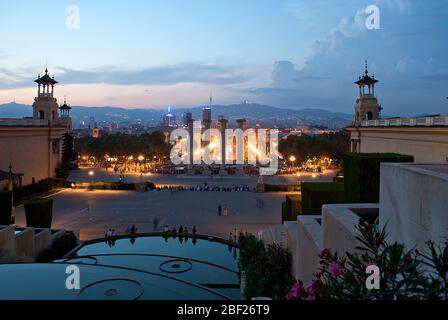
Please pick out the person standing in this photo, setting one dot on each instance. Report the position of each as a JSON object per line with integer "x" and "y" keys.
{"x": 219, "y": 210}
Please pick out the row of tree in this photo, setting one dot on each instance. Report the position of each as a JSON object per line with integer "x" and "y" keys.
{"x": 148, "y": 145}
{"x": 331, "y": 145}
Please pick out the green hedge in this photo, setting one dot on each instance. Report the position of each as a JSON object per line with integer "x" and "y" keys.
{"x": 362, "y": 175}
{"x": 281, "y": 188}
{"x": 111, "y": 186}
{"x": 150, "y": 185}
{"x": 5, "y": 208}
{"x": 316, "y": 194}
{"x": 39, "y": 212}
{"x": 292, "y": 207}
{"x": 43, "y": 186}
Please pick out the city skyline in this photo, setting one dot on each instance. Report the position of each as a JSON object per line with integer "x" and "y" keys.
{"x": 283, "y": 53}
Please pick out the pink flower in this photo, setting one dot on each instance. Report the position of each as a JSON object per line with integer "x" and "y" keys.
{"x": 311, "y": 291}
{"x": 335, "y": 269}
{"x": 311, "y": 288}
{"x": 296, "y": 293}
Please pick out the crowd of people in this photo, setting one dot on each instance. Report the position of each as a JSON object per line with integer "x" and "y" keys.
{"x": 205, "y": 187}
{"x": 181, "y": 231}
{"x": 237, "y": 237}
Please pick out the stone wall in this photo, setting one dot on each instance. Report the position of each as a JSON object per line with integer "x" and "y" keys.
{"x": 31, "y": 151}
{"x": 425, "y": 144}
{"x": 309, "y": 246}
{"x": 414, "y": 203}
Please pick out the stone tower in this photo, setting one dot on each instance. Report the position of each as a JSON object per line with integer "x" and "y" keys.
{"x": 64, "y": 116}
{"x": 367, "y": 106}
{"x": 45, "y": 106}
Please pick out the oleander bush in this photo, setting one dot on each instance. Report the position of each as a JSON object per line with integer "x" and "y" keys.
{"x": 403, "y": 274}
{"x": 268, "y": 270}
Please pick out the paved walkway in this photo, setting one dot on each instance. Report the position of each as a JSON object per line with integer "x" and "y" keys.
{"x": 93, "y": 212}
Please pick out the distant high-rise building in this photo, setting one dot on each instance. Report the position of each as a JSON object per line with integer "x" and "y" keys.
{"x": 188, "y": 116}
{"x": 169, "y": 119}
{"x": 207, "y": 115}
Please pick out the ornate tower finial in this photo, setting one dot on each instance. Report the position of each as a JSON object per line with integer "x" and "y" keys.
{"x": 366, "y": 67}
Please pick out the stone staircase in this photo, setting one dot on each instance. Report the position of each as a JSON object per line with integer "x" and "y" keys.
{"x": 25, "y": 244}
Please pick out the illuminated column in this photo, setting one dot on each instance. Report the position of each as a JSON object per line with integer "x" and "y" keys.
{"x": 223, "y": 126}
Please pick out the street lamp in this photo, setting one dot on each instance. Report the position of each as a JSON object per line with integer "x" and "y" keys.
{"x": 91, "y": 174}
{"x": 292, "y": 159}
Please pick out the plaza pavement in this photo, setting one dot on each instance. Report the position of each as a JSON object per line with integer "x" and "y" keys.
{"x": 93, "y": 212}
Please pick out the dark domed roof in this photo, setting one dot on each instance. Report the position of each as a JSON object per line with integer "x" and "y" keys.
{"x": 45, "y": 79}
{"x": 365, "y": 79}
{"x": 65, "y": 107}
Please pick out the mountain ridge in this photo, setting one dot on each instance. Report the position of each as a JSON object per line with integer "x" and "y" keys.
{"x": 251, "y": 111}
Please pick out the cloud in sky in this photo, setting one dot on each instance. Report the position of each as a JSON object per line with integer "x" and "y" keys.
{"x": 410, "y": 65}
{"x": 167, "y": 75}
{"x": 287, "y": 53}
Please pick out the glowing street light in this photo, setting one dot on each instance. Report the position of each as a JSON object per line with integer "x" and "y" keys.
{"x": 141, "y": 158}
{"x": 292, "y": 159}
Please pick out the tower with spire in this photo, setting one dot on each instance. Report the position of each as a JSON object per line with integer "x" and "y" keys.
{"x": 45, "y": 106}
{"x": 207, "y": 115}
{"x": 367, "y": 106}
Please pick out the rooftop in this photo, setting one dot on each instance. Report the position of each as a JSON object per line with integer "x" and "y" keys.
{"x": 426, "y": 121}
{"x": 45, "y": 79}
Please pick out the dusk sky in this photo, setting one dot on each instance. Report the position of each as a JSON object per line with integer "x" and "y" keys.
{"x": 285, "y": 53}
